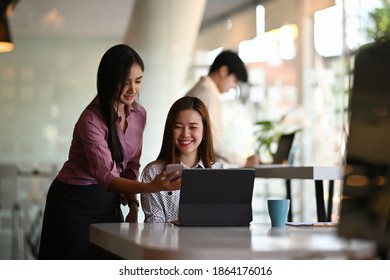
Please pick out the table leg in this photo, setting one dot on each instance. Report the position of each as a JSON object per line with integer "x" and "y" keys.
{"x": 321, "y": 215}
{"x": 288, "y": 195}
{"x": 330, "y": 201}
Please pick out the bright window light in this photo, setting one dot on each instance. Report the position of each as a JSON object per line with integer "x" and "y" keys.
{"x": 260, "y": 19}
{"x": 328, "y": 26}
{"x": 272, "y": 46}
{"x": 328, "y": 31}
{"x": 211, "y": 55}
{"x": 287, "y": 35}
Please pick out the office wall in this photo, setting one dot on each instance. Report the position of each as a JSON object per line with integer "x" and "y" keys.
{"x": 44, "y": 85}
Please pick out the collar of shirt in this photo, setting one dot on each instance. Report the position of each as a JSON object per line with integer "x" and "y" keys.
{"x": 199, "y": 165}
{"x": 128, "y": 109}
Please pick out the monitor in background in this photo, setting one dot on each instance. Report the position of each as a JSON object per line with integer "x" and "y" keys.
{"x": 282, "y": 155}
{"x": 365, "y": 205}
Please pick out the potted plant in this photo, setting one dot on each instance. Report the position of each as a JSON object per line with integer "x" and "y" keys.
{"x": 267, "y": 134}
{"x": 381, "y": 18}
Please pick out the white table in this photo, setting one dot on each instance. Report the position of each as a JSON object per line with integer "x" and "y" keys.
{"x": 259, "y": 241}
{"x": 316, "y": 173}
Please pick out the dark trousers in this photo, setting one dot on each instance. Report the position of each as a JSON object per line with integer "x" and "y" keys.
{"x": 69, "y": 211}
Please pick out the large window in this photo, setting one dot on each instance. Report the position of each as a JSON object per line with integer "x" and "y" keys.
{"x": 343, "y": 27}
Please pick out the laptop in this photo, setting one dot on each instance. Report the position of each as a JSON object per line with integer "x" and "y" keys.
{"x": 216, "y": 197}
{"x": 282, "y": 154}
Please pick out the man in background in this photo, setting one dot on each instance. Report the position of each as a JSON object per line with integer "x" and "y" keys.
{"x": 225, "y": 73}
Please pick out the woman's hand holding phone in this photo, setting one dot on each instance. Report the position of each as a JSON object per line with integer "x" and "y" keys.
{"x": 170, "y": 168}
{"x": 174, "y": 167}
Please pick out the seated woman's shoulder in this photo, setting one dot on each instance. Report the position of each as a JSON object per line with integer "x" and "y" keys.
{"x": 157, "y": 165}
{"x": 151, "y": 170}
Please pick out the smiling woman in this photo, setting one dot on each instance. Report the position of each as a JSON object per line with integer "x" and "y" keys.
{"x": 188, "y": 141}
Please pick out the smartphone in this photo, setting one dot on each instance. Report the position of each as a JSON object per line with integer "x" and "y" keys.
{"x": 173, "y": 167}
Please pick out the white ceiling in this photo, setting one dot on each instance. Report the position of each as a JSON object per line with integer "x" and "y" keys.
{"x": 93, "y": 17}
{"x": 220, "y": 9}
{"x": 71, "y": 17}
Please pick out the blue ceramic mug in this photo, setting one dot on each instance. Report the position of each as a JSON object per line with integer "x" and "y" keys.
{"x": 278, "y": 211}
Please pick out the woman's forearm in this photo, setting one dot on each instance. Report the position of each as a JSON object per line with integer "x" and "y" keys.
{"x": 162, "y": 182}
{"x": 129, "y": 187}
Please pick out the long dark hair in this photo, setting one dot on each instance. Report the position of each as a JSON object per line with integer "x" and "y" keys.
{"x": 113, "y": 71}
{"x": 168, "y": 151}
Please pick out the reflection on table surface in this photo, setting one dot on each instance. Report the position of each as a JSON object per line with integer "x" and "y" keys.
{"x": 259, "y": 241}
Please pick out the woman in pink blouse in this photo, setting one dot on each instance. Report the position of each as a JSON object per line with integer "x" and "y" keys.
{"x": 103, "y": 165}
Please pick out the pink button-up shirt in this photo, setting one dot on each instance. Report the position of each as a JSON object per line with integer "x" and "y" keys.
{"x": 90, "y": 159}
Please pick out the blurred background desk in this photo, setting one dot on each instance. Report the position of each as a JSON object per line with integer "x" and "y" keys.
{"x": 22, "y": 200}
{"x": 316, "y": 173}
{"x": 259, "y": 241}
